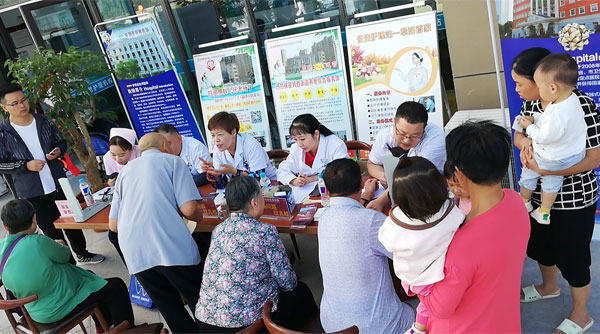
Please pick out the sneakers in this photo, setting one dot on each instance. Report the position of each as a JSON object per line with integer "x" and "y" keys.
{"x": 529, "y": 206}
{"x": 542, "y": 218}
{"x": 89, "y": 258}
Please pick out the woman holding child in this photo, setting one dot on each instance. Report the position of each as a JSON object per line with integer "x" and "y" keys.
{"x": 564, "y": 244}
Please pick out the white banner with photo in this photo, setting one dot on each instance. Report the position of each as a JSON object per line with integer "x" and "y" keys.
{"x": 393, "y": 61}
{"x": 230, "y": 80}
{"x": 308, "y": 76}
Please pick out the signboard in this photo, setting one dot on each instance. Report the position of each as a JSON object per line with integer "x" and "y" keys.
{"x": 393, "y": 61}
{"x": 308, "y": 76}
{"x": 148, "y": 83}
{"x": 230, "y": 80}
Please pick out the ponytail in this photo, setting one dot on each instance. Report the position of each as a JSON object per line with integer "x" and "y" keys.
{"x": 307, "y": 123}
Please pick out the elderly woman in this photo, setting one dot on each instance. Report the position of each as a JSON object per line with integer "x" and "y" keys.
{"x": 564, "y": 244}
{"x": 246, "y": 266}
{"x": 36, "y": 264}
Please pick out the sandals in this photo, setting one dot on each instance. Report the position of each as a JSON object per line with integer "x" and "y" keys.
{"x": 567, "y": 326}
{"x": 531, "y": 294}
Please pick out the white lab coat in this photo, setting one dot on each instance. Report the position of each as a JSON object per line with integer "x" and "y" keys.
{"x": 249, "y": 157}
{"x": 330, "y": 148}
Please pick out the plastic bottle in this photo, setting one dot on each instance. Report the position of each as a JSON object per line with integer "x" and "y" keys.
{"x": 323, "y": 191}
{"x": 251, "y": 174}
{"x": 85, "y": 191}
{"x": 264, "y": 180}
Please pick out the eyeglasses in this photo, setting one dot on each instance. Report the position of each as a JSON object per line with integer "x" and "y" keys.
{"x": 412, "y": 138}
{"x": 23, "y": 101}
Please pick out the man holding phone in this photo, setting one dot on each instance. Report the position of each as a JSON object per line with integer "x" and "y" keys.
{"x": 29, "y": 147}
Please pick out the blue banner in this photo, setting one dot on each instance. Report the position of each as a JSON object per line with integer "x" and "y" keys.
{"x": 156, "y": 100}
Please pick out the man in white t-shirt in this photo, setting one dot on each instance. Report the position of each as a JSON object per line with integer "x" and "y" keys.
{"x": 29, "y": 147}
{"x": 409, "y": 135}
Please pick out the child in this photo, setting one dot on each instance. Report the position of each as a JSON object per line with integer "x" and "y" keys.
{"x": 462, "y": 200}
{"x": 558, "y": 134}
{"x": 419, "y": 229}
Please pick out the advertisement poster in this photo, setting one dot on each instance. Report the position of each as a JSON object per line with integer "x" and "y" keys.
{"x": 230, "y": 80}
{"x": 568, "y": 28}
{"x": 393, "y": 61}
{"x": 149, "y": 86}
{"x": 308, "y": 76}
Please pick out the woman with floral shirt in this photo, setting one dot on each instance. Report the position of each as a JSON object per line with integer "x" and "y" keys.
{"x": 246, "y": 266}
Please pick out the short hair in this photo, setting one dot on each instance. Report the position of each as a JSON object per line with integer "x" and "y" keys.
{"x": 412, "y": 112}
{"x": 561, "y": 67}
{"x": 8, "y": 88}
{"x": 17, "y": 215}
{"x": 526, "y": 62}
{"x": 240, "y": 191}
{"x": 448, "y": 171}
{"x": 224, "y": 120}
{"x": 342, "y": 177}
{"x": 480, "y": 150}
{"x": 418, "y": 189}
{"x": 166, "y": 128}
{"x": 121, "y": 142}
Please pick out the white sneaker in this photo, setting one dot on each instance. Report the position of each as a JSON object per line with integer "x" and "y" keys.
{"x": 542, "y": 218}
{"x": 529, "y": 206}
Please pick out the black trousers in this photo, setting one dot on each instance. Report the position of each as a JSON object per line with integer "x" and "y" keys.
{"x": 166, "y": 286}
{"x": 47, "y": 213}
{"x": 294, "y": 310}
{"x": 113, "y": 237}
{"x": 113, "y": 300}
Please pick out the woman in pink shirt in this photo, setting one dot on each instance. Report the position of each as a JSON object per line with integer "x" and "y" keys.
{"x": 122, "y": 150}
{"x": 480, "y": 291}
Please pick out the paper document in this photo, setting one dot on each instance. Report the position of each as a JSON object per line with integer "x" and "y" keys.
{"x": 300, "y": 193}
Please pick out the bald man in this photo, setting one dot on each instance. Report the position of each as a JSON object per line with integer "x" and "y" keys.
{"x": 152, "y": 194}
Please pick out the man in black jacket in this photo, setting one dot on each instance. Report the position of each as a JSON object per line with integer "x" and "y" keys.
{"x": 29, "y": 147}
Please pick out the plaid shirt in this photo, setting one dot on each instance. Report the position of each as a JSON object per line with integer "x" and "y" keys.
{"x": 578, "y": 190}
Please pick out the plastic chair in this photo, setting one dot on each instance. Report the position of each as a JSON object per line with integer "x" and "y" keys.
{"x": 26, "y": 325}
{"x": 274, "y": 328}
{"x": 124, "y": 327}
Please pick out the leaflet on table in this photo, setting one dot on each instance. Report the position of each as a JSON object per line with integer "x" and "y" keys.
{"x": 302, "y": 192}
{"x": 393, "y": 61}
{"x": 308, "y": 76}
{"x": 231, "y": 80}
{"x": 145, "y": 76}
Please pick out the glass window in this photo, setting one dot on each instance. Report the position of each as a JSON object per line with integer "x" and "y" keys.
{"x": 112, "y": 9}
{"x": 562, "y": 2}
{"x": 582, "y": 10}
{"x": 562, "y": 15}
{"x": 594, "y": 7}
{"x": 572, "y": 12}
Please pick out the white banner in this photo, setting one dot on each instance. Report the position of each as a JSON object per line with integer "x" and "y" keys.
{"x": 308, "y": 76}
{"x": 230, "y": 80}
{"x": 393, "y": 61}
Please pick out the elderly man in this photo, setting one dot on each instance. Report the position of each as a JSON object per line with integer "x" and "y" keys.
{"x": 187, "y": 148}
{"x": 357, "y": 285}
{"x": 411, "y": 135}
{"x": 151, "y": 194}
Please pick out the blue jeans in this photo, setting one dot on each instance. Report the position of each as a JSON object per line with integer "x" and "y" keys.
{"x": 550, "y": 183}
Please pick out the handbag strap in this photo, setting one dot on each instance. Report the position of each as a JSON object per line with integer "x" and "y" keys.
{"x": 8, "y": 251}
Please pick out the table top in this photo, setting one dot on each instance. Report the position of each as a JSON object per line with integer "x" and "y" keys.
{"x": 100, "y": 221}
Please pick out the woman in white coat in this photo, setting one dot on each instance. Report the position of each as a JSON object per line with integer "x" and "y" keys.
{"x": 315, "y": 146}
{"x": 235, "y": 153}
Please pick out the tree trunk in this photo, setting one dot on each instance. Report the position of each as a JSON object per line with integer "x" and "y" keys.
{"x": 90, "y": 165}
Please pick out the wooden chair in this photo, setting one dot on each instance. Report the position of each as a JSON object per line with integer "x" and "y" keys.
{"x": 124, "y": 327}
{"x": 256, "y": 327}
{"x": 281, "y": 155}
{"x": 26, "y": 325}
{"x": 274, "y": 328}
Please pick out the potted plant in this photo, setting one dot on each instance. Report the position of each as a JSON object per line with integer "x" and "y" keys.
{"x": 60, "y": 80}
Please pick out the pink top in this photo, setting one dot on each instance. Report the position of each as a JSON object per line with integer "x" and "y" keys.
{"x": 480, "y": 293}
{"x": 110, "y": 164}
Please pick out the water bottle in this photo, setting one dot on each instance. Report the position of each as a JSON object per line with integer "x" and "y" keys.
{"x": 264, "y": 180}
{"x": 323, "y": 191}
{"x": 87, "y": 194}
{"x": 251, "y": 174}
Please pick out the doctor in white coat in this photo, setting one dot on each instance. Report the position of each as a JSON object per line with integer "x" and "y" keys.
{"x": 235, "y": 153}
{"x": 314, "y": 148}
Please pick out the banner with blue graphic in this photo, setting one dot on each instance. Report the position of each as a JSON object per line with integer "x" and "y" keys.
{"x": 147, "y": 80}
{"x": 308, "y": 76}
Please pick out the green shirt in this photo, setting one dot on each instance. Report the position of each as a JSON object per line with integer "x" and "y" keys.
{"x": 40, "y": 265}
